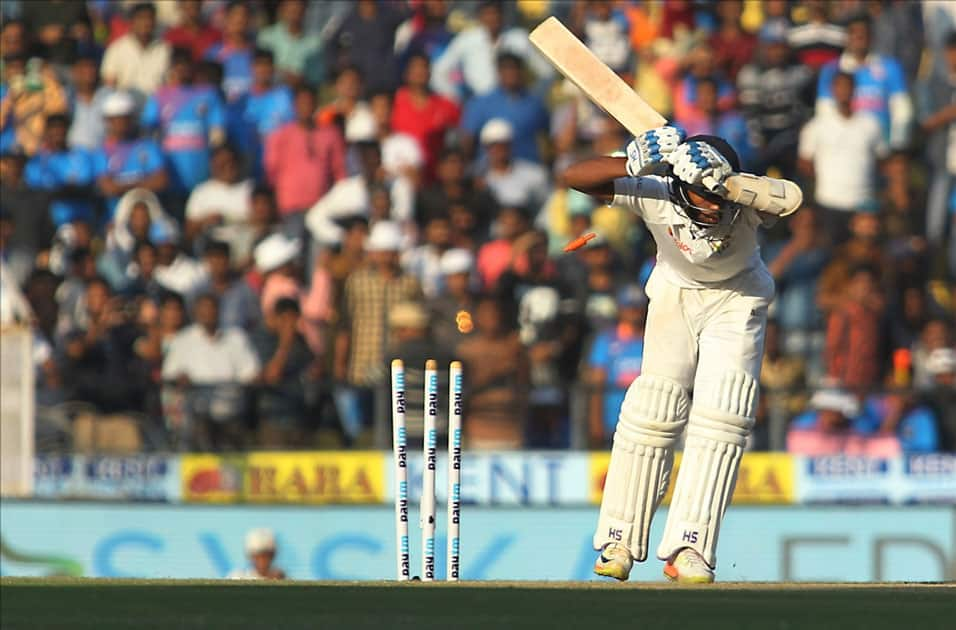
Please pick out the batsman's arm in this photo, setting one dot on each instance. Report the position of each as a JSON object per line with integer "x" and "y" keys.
{"x": 596, "y": 176}
{"x": 777, "y": 197}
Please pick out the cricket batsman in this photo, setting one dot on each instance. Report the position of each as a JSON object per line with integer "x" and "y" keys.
{"x": 709, "y": 294}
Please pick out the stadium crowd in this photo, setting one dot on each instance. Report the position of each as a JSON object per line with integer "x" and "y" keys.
{"x": 224, "y": 219}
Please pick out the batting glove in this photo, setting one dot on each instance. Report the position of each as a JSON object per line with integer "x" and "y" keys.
{"x": 652, "y": 147}
{"x": 698, "y": 163}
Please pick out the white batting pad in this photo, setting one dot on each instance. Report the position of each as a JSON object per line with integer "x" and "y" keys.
{"x": 652, "y": 417}
{"x": 720, "y": 421}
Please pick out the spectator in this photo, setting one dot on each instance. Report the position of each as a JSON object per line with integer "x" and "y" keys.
{"x": 467, "y": 67}
{"x": 366, "y": 39}
{"x": 427, "y": 32}
{"x": 729, "y": 125}
{"x": 298, "y": 53}
{"x": 607, "y": 33}
{"x": 733, "y": 47}
{"x": 28, "y": 212}
{"x": 864, "y": 248}
{"x": 854, "y": 339}
{"x": 840, "y": 149}
{"x": 98, "y": 364}
{"x": 834, "y": 426}
{"x": 264, "y": 109}
{"x": 348, "y": 102}
{"x": 29, "y": 94}
{"x": 136, "y": 213}
{"x": 303, "y": 161}
{"x": 511, "y": 102}
{"x": 796, "y": 265}
{"x": 451, "y": 310}
{"x": 371, "y": 193}
{"x": 454, "y": 190}
{"x": 127, "y": 161}
{"x": 234, "y": 52}
{"x": 334, "y": 267}
{"x": 497, "y": 369}
{"x": 175, "y": 270}
{"x": 901, "y": 415}
{"x": 879, "y": 82}
{"x": 138, "y": 60}
{"x": 782, "y": 381}
{"x": 139, "y": 279}
{"x": 425, "y": 116}
{"x": 288, "y": 371}
{"x": 938, "y": 120}
{"x": 192, "y": 31}
{"x": 774, "y": 97}
{"x": 548, "y": 329}
{"x": 424, "y": 261}
{"x": 699, "y": 64}
{"x": 190, "y": 121}
{"x": 512, "y": 181}
{"x": 495, "y": 256}
{"x": 220, "y": 207}
{"x": 261, "y": 551}
{"x": 370, "y": 292}
{"x": 212, "y": 364}
{"x": 935, "y": 336}
{"x": 238, "y": 303}
{"x": 87, "y": 130}
{"x": 614, "y": 362}
{"x": 818, "y": 41}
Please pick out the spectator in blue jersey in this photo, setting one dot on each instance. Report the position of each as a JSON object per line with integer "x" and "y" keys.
{"x": 264, "y": 109}
{"x": 880, "y": 84}
{"x": 511, "y": 101}
{"x": 67, "y": 174}
{"x": 902, "y": 415}
{"x": 614, "y": 363}
{"x": 298, "y": 53}
{"x": 429, "y": 34}
{"x": 729, "y": 125}
{"x": 234, "y": 52}
{"x": 126, "y": 160}
{"x": 190, "y": 120}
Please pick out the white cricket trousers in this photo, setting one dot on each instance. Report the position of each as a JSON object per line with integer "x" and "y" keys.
{"x": 704, "y": 343}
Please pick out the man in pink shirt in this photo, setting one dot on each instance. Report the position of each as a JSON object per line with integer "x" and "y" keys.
{"x": 302, "y": 161}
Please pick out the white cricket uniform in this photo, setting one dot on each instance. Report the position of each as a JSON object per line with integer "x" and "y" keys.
{"x": 704, "y": 333}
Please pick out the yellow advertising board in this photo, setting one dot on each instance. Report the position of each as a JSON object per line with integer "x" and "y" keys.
{"x": 272, "y": 477}
{"x": 765, "y": 478}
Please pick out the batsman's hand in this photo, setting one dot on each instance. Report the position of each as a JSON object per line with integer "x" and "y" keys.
{"x": 652, "y": 147}
{"x": 699, "y": 164}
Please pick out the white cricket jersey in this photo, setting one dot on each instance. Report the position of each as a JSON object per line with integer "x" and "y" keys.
{"x": 684, "y": 257}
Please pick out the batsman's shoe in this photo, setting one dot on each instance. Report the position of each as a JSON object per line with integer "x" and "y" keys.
{"x": 687, "y": 567}
{"x": 614, "y": 561}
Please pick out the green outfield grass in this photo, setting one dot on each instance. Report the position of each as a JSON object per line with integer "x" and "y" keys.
{"x": 169, "y": 604}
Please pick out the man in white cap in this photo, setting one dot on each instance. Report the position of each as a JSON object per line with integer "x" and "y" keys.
{"x": 452, "y": 310}
{"x": 261, "y": 550}
{"x": 370, "y": 293}
{"x": 126, "y": 160}
{"x": 512, "y": 181}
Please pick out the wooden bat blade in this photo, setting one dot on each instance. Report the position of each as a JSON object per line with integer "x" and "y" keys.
{"x": 598, "y": 82}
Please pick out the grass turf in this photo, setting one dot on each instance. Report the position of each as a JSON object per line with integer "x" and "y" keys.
{"x": 171, "y": 604}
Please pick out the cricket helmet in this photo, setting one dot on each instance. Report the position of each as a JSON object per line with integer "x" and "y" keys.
{"x": 728, "y": 211}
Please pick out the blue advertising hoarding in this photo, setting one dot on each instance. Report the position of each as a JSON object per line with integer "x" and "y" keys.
{"x": 323, "y": 542}
{"x": 126, "y": 478}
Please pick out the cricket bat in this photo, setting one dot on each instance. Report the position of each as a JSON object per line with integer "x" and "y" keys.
{"x": 609, "y": 92}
